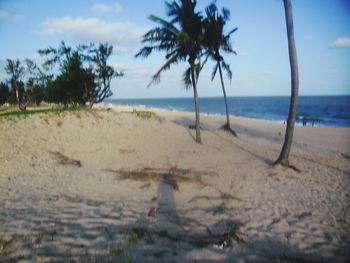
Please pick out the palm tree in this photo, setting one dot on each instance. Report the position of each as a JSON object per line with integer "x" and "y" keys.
{"x": 216, "y": 41}
{"x": 181, "y": 39}
{"x": 283, "y": 158}
{"x": 17, "y": 71}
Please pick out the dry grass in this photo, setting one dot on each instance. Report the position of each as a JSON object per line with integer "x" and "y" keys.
{"x": 170, "y": 176}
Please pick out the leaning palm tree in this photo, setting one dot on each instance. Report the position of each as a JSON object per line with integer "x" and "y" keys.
{"x": 181, "y": 39}
{"x": 216, "y": 41}
{"x": 283, "y": 158}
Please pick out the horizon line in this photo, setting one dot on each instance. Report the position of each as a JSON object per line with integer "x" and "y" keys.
{"x": 240, "y": 96}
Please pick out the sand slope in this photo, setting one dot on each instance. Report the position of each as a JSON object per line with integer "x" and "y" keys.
{"x": 107, "y": 185}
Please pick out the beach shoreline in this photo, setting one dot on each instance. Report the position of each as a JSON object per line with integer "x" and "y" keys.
{"x": 110, "y": 184}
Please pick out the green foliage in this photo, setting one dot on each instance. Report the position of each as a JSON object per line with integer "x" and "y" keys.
{"x": 34, "y": 93}
{"x": 19, "y": 113}
{"x": 181, "y": 38}
{"x": 215, "y": 41}
{"x": 68, "y": 76}
{"x": 138, "y": 233}
{"x": 75, "y": 83}
{"x": 84, "y": 75}
{"x": 145, "y": 115}
{"x": 4, "y": 93}
{"x": 104, "y": 73}
{"x": 126, "y": 260}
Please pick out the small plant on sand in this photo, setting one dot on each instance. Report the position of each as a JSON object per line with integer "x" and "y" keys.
{"x": 139, "y": 233}
{"x": 125, "y": 260}
{"x": 144, "y": 115}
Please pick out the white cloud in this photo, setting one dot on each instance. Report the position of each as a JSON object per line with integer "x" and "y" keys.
{"x": 342, "y": 42}
{"x": 103, "y": 8}
{"x": 124, "y": 35}
{"x": 5, "y": 15}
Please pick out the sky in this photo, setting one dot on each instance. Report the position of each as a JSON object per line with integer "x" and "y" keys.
{"x": 260, "y": 68}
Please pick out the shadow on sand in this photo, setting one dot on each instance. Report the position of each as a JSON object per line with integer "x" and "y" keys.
{"x": 73, "y": 228}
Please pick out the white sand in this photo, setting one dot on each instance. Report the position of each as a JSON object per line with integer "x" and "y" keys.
{"x": 52, "y": 211}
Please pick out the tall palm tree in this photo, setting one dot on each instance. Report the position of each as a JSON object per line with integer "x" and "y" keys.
{"x": 181, "y": 39}
{"x": 283, "y": 158}
{"x": 216, "y": 41}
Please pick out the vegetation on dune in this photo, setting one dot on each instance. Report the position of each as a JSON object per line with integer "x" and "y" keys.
{"x": 84, "y": 75}
{"x": 81, "y": 75}
{"x": 69, "y": 76}
{"x": 20, "y": 113}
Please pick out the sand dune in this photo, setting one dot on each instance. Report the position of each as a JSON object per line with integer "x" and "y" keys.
{"x": 107, "y": 185}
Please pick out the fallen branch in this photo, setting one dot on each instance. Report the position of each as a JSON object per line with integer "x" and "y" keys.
{"x": 64, "y": 160}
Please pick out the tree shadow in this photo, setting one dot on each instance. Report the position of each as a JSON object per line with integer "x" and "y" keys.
{"x": 250, "y": 152}
{"x": 73, "y": 228}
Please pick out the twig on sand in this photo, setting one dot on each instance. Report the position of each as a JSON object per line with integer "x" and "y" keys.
{"x": 64, "y": 160}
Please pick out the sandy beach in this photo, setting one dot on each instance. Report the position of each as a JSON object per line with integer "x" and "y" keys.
{"x": 112, "y": 185}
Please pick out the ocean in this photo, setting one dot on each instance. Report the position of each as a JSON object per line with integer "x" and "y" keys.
{"x": 322, "y": 110}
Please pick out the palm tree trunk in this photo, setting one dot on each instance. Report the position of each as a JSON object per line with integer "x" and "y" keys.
{"x": 283, "y": 158}
{"x": 196, "y": 105}
{"x": 225, "y": 98}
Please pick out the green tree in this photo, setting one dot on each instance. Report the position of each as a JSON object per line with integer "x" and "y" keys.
{"x": 216, "y": 41}
{"x": 75, "y": 82}
{"x": 4, "y": 93}
{"x": 17, "y": 72}
{"x": 104, "y": 73}
{"x": 181, "y": 39}
{"x": 34, "y": 93}
{"x": 36, "y": 83}
{"x": 284, "y": 155}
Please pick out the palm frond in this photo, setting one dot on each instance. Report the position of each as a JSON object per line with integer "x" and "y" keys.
{"x": 186, "y": 77}
{"x": 207, "y": 55}
{"x": 231, "y": 32}
{"x": 144, "y": 52}
{"x": 226, "y": 67}
{"x": 227, "y": 47}
{"x": 226, "y": 14}
{"x": 215, "y": 69}
{"x": 197, "y": 70}
{"x": 166, "y": 66}
{"x": 162, "y": 22}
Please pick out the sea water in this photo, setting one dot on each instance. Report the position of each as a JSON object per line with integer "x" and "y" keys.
{"x": 320, "y": 110}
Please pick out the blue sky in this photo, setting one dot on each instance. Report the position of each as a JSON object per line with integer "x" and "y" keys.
{"x": 261, "y": 67}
